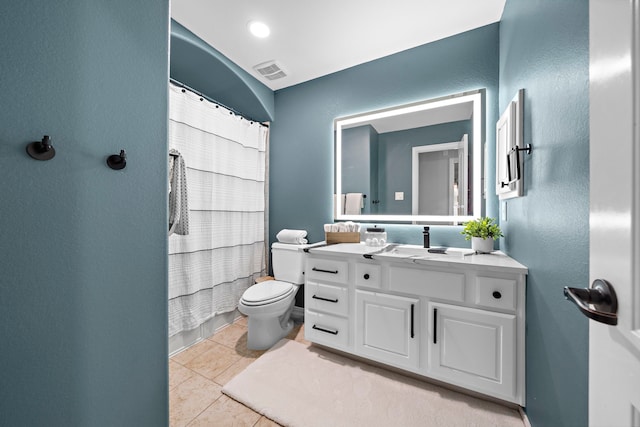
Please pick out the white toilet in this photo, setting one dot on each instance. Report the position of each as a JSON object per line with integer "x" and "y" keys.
{"x": 269, "y": 304}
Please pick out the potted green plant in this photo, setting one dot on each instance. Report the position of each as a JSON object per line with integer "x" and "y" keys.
{"x": 482, "y": 232}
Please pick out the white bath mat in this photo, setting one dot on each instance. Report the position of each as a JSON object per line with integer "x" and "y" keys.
{"x": 302, "y": 386}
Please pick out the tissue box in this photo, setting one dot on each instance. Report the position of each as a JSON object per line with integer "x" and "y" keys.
{"x": 342, "y": 237}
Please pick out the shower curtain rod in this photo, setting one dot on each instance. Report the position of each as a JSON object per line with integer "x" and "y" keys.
{"x": 202, "y": 95}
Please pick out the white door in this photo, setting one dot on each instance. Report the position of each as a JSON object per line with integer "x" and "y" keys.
{"x": 614, "y": 350}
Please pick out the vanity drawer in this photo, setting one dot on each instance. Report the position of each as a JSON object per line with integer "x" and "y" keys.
{"x": 327, "y": 298}
{"x": 496, "y": 293}
{"x": 326, "y": 329}
{"x": 428, "y": 283}
{"x": 368, "y": 275}
{"x": 327, "y": 270}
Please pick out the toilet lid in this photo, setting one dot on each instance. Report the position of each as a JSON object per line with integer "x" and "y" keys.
{"x": 266, "y": 292}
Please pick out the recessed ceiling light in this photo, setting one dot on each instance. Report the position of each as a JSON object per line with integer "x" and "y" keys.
{"x": 259, "y": 29}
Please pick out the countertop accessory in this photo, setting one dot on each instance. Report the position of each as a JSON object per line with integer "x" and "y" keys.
{"x": 482, "y": 232}
{"x": 375, "y": 236}
{"x": 437, "y": 251}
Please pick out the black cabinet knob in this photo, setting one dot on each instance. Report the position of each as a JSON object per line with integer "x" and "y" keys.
{"x": 366, "y": 276}
{"x": 497, "y": 295}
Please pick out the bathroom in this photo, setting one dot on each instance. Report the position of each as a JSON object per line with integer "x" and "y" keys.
{"x": 84, "y": 247}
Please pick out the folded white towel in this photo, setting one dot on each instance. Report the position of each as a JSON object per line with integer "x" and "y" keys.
{"x": 352, "y": 227}
{"x": 341, "y": 227}
{"x": 292, "y": 236}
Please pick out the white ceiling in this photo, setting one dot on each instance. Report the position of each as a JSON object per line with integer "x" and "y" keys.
{"x": 418, "y": 119}
{"x": 311, "y": 39}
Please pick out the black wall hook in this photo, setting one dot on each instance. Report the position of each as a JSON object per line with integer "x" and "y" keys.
{"x": 117, "y": 161}
{"x": 41, "y": 150}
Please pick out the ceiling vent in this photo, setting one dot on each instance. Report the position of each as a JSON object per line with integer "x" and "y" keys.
{"x": 270, "y": 70}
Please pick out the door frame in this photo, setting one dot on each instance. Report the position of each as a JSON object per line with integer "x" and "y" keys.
{"x": 462, "y": 145}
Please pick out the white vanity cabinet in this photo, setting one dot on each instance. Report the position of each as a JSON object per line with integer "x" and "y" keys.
{"x": 456, "y": 318}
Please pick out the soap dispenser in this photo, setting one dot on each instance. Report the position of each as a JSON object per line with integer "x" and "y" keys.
{"x": 425, "y": 233}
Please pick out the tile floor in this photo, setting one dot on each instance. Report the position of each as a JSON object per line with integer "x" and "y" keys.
{"x": 197, "y": 375}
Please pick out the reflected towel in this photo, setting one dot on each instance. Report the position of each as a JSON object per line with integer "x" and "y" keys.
{"x": 178, "y": 203}
{"x": 353, "y": 204}
{"x": 292, "y": 236}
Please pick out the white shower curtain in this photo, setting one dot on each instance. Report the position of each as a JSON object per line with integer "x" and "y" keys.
{"x": 224, "y": 252}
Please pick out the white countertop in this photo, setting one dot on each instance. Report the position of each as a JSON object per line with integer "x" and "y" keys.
{"x": 415, "y": 254}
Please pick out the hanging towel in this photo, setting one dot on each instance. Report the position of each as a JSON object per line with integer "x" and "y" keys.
{"x": 178, "y": 204}
{"x": 297, "y": 237}
{"x": 353, "y": 204}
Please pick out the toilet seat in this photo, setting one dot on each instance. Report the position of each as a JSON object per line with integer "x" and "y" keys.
{"x": 267, "y": 292}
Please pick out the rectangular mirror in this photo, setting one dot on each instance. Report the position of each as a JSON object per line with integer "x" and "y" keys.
{"x": 419, "y": 162}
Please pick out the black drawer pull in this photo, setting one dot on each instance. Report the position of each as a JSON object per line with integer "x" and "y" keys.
{"x": 324, "y": 299}
{"x": 329, "y": 331}
{"x": 325, "y": 271}
{"x": 435, "y": 326}
{"x": 497, "y": 295}
{"x": 412, "y": 322}
{"x": 366, "y": 276}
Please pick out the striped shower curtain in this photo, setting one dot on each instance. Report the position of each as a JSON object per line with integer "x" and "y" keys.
{"x": 224, "y": 252}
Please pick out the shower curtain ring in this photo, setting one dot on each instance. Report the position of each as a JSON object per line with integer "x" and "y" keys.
{"x": 117, "y": 161}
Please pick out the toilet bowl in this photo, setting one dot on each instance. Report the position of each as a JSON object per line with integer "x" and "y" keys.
{"x": 268, "y": 305}
{"x": 269, "y": 318}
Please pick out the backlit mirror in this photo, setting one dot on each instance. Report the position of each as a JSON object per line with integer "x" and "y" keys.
{"x": 419, "y": 162}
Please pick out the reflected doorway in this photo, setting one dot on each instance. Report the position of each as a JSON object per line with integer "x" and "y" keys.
{"x": 439, "y": 178}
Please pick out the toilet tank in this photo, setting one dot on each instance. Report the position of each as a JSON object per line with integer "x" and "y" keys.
{"x": 287, "y": 261}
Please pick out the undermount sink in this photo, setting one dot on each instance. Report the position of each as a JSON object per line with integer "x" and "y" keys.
{"x": 414, "y": 251}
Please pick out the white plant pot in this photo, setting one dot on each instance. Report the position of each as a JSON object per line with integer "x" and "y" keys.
{"x": 482, "y": 246}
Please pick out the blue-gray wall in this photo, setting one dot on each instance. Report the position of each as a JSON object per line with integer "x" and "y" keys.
{"x": 360, "y": 164}
{"x": 395, "y": 157}
{"x": 544, "y": 48}
{"x": 201, "y": 67}
{"x": 301, "y": 142}
{"x": 83, "y": 271}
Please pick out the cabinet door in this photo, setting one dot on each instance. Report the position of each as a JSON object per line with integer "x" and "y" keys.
{"x": 473, "y": 348}
{"x": 387, "y": 328}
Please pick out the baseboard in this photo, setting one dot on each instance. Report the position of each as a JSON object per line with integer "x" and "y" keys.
{"x": 525, "y": 419}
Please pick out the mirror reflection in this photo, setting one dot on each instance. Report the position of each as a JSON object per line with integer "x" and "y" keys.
{"x": 419, "y": 162}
